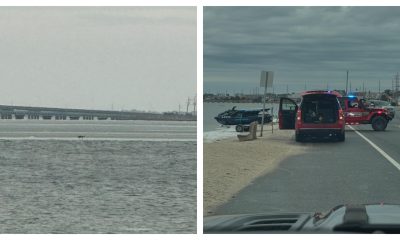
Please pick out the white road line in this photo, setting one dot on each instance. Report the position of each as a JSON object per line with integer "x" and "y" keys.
{"x": 383, "y": 153}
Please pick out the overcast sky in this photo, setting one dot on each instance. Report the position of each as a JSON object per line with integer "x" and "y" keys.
{"x": 97, "y": 57}
{"x": 312, "y": 46}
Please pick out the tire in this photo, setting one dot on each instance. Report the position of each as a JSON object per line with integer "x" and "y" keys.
{"x": 379, "y": 123}
{"x": 298, "y": 137}
{"x": 239, "y": 128}
{"x": 341, "y": 137}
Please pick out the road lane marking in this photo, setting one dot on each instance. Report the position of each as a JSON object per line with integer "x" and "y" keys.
{"x": 383, "y": 153}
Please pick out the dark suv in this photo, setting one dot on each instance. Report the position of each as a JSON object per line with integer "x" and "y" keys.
{"x": 319, "y": 114}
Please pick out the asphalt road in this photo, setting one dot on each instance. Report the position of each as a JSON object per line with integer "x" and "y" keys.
{"x": 331, "y": 173}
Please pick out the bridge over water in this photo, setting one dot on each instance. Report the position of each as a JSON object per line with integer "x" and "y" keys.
{"x": 45, "y": 113}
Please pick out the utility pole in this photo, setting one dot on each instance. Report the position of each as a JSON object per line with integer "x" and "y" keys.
{"x": 347, "y": 81}
{"x": 287, "y": 88}
{"x": 187, "y": 105}
{"x": 194, "y": 105}
{"x": 379, "y": 87}
{"x": 392, "y": 85}
{"x": 397, "y": 86}
{"x": 363, "y": 88}
{"x": 350, "y": 86}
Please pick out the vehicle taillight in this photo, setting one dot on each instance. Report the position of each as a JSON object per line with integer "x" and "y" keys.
{"x": 298, "y": 115}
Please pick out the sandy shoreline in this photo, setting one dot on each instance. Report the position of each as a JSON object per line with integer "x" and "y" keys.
{"x": 230, "y": 165}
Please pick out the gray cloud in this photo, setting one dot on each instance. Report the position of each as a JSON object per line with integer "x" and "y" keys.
{"x": 300, "y": 44}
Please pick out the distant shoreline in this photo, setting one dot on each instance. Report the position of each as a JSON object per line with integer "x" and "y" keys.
{"x": 45, "y": 113}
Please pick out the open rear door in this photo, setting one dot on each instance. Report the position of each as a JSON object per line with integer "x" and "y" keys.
{"x": 287, "y": 113}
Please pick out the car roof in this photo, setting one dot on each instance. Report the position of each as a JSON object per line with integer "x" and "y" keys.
{"x": 327, "y": 92}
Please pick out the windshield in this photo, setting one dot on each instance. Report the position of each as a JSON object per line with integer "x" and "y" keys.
{"x": 318, "y": 151}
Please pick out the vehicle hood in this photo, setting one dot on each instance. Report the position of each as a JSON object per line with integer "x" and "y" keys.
{"x": 346, "y": 218}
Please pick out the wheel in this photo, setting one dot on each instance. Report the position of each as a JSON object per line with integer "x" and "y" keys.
{"x": 379, "y": 123}
{"x": 239, "y": 128}
{"x": 298, "y": 137}
{"x": 342, "y": 137}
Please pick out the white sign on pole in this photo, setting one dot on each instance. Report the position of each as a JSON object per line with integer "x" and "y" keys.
{"x": 267, "y": 77}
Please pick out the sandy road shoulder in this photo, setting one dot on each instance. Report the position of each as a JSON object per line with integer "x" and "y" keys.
{"x": 230, "y": 165}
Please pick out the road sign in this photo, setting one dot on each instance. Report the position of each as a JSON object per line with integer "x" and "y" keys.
{"x": 267, "y": 77}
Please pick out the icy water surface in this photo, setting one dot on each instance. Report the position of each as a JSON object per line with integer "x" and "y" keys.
{"x": 134, "y": 130}
{"x": 97, "y": 186}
